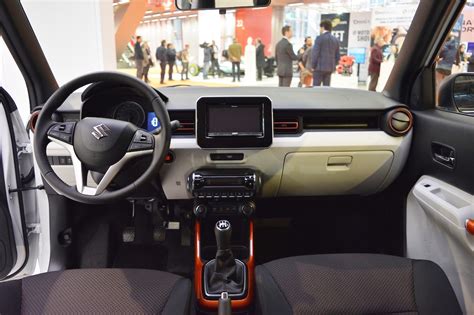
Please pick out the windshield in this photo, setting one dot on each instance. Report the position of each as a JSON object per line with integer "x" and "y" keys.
{"x": 347, "y": 44}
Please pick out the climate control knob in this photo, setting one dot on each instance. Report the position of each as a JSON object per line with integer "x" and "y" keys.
{"x": 200, "y": 210}
{"x": 247, "y": 209}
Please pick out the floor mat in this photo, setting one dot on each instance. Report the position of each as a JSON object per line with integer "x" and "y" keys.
{"x": 149, "y": 256}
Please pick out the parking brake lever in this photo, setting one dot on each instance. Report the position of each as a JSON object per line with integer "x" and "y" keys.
{"x": 224, "y": 307}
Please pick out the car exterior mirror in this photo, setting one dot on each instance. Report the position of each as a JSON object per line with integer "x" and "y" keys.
{"x": 457, "y": 93}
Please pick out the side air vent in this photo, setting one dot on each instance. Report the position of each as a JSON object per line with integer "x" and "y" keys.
{"x": 398, "y": 122}
{"x": 187, "y": 121}
{"x": 286, "y": 126}
{"x": 342, "y": 121}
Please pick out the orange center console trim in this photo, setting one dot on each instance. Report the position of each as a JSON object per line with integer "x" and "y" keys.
{"x": 198, "y": 274}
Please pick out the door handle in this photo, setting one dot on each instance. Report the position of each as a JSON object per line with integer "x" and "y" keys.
{"x": 447, "y": 159}
{"x": 443, "y": 154}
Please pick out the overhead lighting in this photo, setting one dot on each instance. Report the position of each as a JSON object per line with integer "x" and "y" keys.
{"x": 296, "y": 4}
{"x": 192, "y": 15}
{"x": 167, "y": 13}
{"x": 183, "y": 17}
{"x": 156, "y": 15}
{"x": 148, "y": 11}
{"x": 121, "y": 2}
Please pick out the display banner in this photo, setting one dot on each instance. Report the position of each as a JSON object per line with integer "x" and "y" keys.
{"x": 340, "y": 29}
{"x": 396, "y": 16}
{"x": 467, "y": 33}
{"x": 359, "y": 41}
{"x": 392, "y": 23}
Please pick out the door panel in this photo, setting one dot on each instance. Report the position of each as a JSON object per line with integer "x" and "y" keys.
{"x": 441, "y": 163}
{"x": 8, "y": 252}
{"x": 451, "y": 130}
{"x": 15, "y": 164}
{"x": 436, "y": 213}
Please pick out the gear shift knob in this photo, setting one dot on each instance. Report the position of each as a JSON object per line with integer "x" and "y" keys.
{"x": 223, "y": 232}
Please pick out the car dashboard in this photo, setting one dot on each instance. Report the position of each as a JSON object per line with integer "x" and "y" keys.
{"x": 302, "y": 142}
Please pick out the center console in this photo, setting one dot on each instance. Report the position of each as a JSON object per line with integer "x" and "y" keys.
{"x": 224, "y": 198}
{"x": 224, "y": 258}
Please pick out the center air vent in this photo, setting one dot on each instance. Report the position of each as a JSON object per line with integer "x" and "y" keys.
{"x": 186, "y": 120}
{"x": 286, "y": 126}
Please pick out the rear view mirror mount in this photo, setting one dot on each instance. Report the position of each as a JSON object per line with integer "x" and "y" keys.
{"x": 219, "y": 4}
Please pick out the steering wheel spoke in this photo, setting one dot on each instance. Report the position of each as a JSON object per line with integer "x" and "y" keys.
{"x": 62, "y": 132}
{"x": 141, "y": 141}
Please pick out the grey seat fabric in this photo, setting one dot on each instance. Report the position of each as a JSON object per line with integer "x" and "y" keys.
{"x": 353, "y": 284}
{"x": 97, "y": 291}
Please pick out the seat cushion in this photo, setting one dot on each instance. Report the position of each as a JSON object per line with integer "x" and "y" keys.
{"x": 353, "y": 283}
{"x": 97, "y": 291}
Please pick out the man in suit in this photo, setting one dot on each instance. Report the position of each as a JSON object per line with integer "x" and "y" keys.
{"x": 260, "y": 56}
{"x": 326, "y": 55}
{"x": 161, "y": 57}
{"x": 139, "y": 58}
{"x": 285, "y": 56}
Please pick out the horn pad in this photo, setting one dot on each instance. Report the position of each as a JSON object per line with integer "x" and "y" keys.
{"x": 101, "y": 142}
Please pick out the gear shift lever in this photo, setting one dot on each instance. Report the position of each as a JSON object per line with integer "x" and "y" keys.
{"x": 224, "y": 274}
{"x": 223, "y": 232}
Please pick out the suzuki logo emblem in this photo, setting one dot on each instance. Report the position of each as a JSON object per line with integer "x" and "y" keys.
{"x": 100, "y": 131}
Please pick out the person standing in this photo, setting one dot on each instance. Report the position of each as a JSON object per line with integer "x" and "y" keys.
{"x": 215, "y": 68}
{"x": 184, "y": 55}
{"x": 461, "y": 58}
{"x": 306, "y": 65}
{"x": 285, "y": 56}
{"x": 308, "y": 42}
{"x": 260, "y": 54}
{"x": 325, "y": 56}
{"x": 376, "y": 58}
{"x": 139, "y": 58}
{"x": 446, "y": 60}
{"x": 207, "y": 59}
{"x": 171, "y": 59}
{"x": 235, "y": 56}
{"x": 148, "y": 61}
{"x": 161, "y": 57}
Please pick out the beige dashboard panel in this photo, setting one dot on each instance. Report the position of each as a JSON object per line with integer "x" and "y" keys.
{"x": 331, "y": 173}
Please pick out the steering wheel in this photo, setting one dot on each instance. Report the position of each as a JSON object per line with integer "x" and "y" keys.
{"x": 100, "y": 144}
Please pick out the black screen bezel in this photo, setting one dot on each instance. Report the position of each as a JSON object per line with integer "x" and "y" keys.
{"x": 228, "y": 142}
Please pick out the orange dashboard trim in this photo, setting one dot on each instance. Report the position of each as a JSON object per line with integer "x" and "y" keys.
{"x": 198, "y": 272}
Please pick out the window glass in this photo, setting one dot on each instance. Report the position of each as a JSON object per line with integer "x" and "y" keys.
{"x": 11, "y": 79}
{"x": 238, "y": 47}
{"x": 455, "y": 57}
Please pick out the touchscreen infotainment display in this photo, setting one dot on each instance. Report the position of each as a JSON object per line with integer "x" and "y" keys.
{"x": 226, "y": 122}
{"x": 234, "y": 120}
